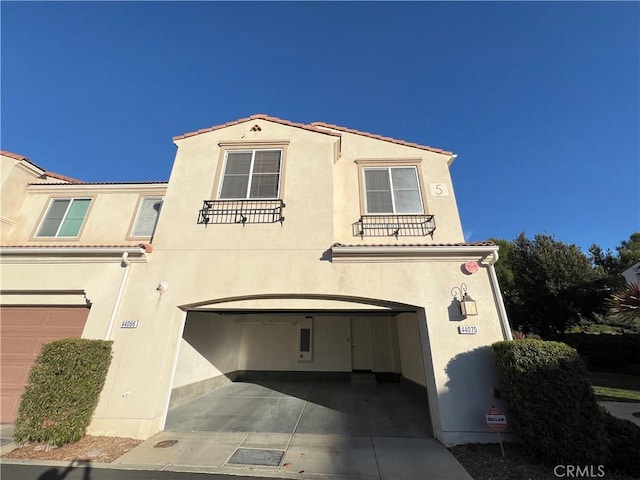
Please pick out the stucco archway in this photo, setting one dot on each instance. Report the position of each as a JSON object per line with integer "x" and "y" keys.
{"x": 224, "y": 340}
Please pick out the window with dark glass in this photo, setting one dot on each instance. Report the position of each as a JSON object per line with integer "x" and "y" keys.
{"x": 251, "y": 174}
{"x": 64, "y": 217}
{"x": 392, "y": 190}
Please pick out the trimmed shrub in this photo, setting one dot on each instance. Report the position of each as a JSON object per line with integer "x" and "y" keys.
{"x": 551, "y": 404}
{"x": 607, "y": 351}
{"x": 623, "y": 444}
{"x": 63, "y": 391}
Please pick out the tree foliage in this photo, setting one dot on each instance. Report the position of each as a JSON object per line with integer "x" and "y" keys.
{"x": 627, "y": 253}
{"x": 548, "y": 285}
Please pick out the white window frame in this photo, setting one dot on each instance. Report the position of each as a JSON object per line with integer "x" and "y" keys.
{"x": 393, "y": 200}
{"x": 64, "y": 217}
{"x": 137, "y": 217}
{"x": 253, "y": 157}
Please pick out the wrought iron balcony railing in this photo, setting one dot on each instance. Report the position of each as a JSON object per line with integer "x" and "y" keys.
{"x": 241, "y": 211}
{"x": 394, "y": 225}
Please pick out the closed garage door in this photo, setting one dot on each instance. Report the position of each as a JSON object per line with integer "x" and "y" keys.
{"x": 23, "y": 332}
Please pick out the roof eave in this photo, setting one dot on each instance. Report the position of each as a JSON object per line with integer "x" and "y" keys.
{"x": 260, "y": 116}
{"x": 395, "y": 253}
{"x": 133, "y": 251}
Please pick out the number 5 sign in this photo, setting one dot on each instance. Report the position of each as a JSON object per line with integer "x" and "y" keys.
{"x": 438, "y": 189}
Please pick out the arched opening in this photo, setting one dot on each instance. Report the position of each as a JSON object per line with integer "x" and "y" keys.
{"x": 343, "y": 364}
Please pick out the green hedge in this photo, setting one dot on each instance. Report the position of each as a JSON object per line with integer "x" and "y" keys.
{"x": 63, "y": 391}
{"x": 607, "y": 351}
{"x": 551, "y": 404}
{"x": 623, "y": 441}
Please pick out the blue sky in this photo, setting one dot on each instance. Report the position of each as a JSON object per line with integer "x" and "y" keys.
{"x": 539, "y": 100}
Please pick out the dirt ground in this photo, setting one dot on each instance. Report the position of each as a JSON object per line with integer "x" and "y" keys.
{"x": 485, "y": 462}
{"x": 89, "y": 449}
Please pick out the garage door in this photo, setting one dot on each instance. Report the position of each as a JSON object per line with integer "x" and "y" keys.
{"x": 23, "y": 332}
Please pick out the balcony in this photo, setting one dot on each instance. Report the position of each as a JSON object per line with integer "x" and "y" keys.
{"x": 394, "y": 225}
{"x": 241, "y": 211}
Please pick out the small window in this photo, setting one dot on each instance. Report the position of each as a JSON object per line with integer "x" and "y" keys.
{"x": 251, "y": 174}
{"x": 392, "y": 190}
{"x": 64, "y": 217}
{"x": 147, "y": 218}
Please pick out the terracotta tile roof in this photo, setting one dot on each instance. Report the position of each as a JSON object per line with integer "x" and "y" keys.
{"x": 17, "y": 156}
{"x": 380, "y": 137}
{"x": 106, "y": 183}
{"x": 465, "y": 244}
{"x": 260, "y": 116}
{"x": 147, "y": 246}
{"x": 318, "y": 127}
{"x": 61, "y": 177}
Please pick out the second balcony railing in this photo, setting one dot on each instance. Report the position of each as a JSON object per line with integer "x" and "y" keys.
{"x": 241, "y": 211}
{"x": 394, "y": 225}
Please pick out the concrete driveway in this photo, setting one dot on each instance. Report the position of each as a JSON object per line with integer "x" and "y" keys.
{"x": 302, "y": 430}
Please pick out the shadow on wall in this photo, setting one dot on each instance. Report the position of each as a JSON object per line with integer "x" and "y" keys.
{"x": 471, "y": 385}
{"x": 455, "y": 314}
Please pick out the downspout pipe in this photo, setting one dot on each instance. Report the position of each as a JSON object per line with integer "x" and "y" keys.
{"x": 502, "y": 312}
{"x": 126, "y": 264}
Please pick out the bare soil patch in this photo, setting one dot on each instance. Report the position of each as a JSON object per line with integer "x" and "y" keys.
{"x": 88, "y": 449}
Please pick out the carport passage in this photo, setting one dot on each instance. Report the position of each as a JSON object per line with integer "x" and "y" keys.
{"x": 382, "y": 410}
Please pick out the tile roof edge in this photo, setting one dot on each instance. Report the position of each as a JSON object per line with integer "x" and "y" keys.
{"x": 22, "y": 158}
{"x": 487, "y": 243}
{"x": 380, "y": 137}
{"x": 148, "y": 248}
{"x": 15, "y": 156}
{"x": 259, "y": 116}
{"x": 62, "y": 177}
{"x": 101, "y": 183}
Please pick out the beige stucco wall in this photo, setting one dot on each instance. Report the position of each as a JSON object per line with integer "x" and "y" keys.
{"x": 293, "y": 261}
{"x": 433, "y": 168}
{"x": 215, "y": 345}
{"x": 100, "y": 281}
{"x": 199, "y": 275}
{"x": 108, "y": 221}
{"x": 209, "y": 348}
{"x": 411, "y": 349}
{"x": 14, "y": 175}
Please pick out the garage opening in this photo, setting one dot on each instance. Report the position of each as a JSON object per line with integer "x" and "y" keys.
{"x": 330, "y": 372}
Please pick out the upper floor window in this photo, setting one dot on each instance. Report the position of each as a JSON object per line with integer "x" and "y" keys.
{"x": 392, "y": 190}
{"x": 251, "y": 174}
{"x": 64, "y": 217}
{"x": 147, "y": 217}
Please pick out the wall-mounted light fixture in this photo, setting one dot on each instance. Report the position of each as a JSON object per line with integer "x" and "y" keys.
{"x": 467, "y": 304}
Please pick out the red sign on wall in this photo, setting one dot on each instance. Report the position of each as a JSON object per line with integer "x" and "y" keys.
{"x": 471, "y": 266}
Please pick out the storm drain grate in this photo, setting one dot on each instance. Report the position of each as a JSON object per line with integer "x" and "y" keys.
{"x": 255, "y": 456}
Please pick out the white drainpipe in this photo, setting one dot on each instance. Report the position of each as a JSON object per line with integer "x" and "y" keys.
{"x": 116, "y": 306}
{"x": 502, "y": 312}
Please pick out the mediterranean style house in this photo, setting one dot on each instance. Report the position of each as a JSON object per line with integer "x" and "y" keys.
{"x": 275, "y": 250}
